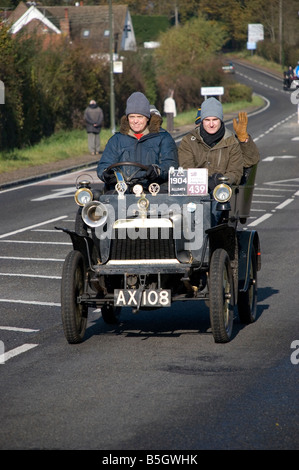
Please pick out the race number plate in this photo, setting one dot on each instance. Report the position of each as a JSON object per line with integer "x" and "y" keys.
{"x": 191, "y": 182}
{"x": 149, "y": 298}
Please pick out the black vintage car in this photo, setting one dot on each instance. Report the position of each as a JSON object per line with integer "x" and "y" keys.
{"x": 146, "y": 249}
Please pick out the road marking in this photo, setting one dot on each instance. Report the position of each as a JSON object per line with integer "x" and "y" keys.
{"x": 271, "y": 129}
{"x": 44, "y": 230}
{"x": 285, "y": 182}
{"x": 284, "y": 204}
{"x": 22, "y": 330}
{"x": 31, "y": 302}
{"x": 263, "y": 202}
{"x": 283, "y": 157}
{"x": 30, "y": 259}
{"x": 4, "y": 235}
{"x": 35, "y": 242}
{"x": 56, "y": 194}
{"x": 40, "y": 276}
{"x": 15, "y": 352}
{"x": 260, "y": 220}
{"x": 273, "y": 189}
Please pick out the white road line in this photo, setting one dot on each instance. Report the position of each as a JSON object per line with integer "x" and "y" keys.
{"x": 260, "y": 220}
{"x": 35, "y": 242}
{"x": 4, "y": 235}
{"x": 31, "y": 302}
{"x": 264, "y": 202}
{"x": 284, "y": 204}
{"x": 268, "y": 195}
{"x": 14, "y": 328}
{"x": 273, "y": 189}
{"x": 19, "y": 258}
{"x": 15, "y": 352}
{"x": 44, "y": 230}
{"x": 40, "y": 276}
{"x": 273, "y": 128}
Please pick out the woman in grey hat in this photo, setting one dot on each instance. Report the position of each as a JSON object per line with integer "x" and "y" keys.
{"x": 142, "y": 140}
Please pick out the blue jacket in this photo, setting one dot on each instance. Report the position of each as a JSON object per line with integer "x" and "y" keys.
{"x": 156, "y": 147}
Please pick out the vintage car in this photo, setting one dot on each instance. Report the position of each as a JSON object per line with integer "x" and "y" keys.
{"x": 147, "y": 249}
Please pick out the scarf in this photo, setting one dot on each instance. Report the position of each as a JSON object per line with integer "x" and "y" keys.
{"x": 212, "y": 139}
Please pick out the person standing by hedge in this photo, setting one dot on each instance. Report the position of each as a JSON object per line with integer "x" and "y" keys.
{"x": 93, "y": 116}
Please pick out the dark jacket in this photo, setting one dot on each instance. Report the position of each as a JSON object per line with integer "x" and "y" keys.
{"x": 155, "y": 147}
{"x": 225, "y": 157}
{"x": 93, "y": 116}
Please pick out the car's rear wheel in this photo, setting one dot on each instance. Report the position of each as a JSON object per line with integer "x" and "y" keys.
{"x": 247, "y": 300}
{"x": 74, "y": 314}
{"x": 220, "y": 288}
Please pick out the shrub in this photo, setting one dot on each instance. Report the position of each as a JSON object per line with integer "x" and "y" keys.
{"x": 237, "y": 92}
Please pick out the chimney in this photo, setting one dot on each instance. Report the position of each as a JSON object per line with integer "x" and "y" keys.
{"x": 65, "y": 24}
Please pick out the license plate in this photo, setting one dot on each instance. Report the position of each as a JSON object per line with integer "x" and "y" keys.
{"x": 149, "y": 298}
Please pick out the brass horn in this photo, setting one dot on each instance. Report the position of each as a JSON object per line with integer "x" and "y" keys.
{"x": 94, "y": 214}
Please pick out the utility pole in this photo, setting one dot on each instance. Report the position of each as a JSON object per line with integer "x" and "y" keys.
{"x": 112, "y": 101}
{"x": 176, "y": 14}
{"x": 281, "y": 56}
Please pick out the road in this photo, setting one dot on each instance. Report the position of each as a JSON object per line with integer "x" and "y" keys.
{"x": 158, "y": 381}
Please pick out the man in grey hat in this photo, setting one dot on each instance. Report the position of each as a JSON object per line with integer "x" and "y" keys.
{"x": 212, "y": 146}
{"x": 139, "y": 140}
{"x": 93, "y": 116}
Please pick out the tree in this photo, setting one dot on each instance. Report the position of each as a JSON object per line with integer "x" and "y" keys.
{"x": 186, "y": 49}
{"x": 186, "y": 58}
{"x": 11, "y": 113}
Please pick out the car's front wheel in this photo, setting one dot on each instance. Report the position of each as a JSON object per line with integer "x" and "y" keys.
{"x": 220, "y": 289}
{"x": 74, "y": 314}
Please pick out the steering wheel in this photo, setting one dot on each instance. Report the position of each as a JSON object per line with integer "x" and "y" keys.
{"x": 129, "y": 179}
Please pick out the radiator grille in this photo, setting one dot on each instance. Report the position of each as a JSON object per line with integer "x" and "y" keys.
{"x": 146, "y": 247}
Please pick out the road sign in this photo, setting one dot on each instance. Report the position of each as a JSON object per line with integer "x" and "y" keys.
{"x": 212, "y": 91}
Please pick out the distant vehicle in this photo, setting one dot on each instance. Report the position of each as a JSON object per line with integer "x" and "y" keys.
{"x": 228, "y": 67}
{"x": 290, "y": 82}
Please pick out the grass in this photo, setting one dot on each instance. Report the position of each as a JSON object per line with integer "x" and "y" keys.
{"x": 59, "y": 146}
{"x": 72, "y": 144}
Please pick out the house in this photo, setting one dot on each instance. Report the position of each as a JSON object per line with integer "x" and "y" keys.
{"x": 78, "y": 23}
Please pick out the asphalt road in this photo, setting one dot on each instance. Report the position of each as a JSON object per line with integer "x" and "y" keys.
{"x": 158, "y": 381}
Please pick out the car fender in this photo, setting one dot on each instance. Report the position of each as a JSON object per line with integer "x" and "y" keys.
{"x": 83, "y": 244}
{"x": 247, "y": 241}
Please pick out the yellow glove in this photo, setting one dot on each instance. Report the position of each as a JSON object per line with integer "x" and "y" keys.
{"x": 241, "y": 126}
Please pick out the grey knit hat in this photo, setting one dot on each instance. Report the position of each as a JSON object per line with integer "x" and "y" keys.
{"x": 137, "y": 103}
{"x": 211, "y": 108}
